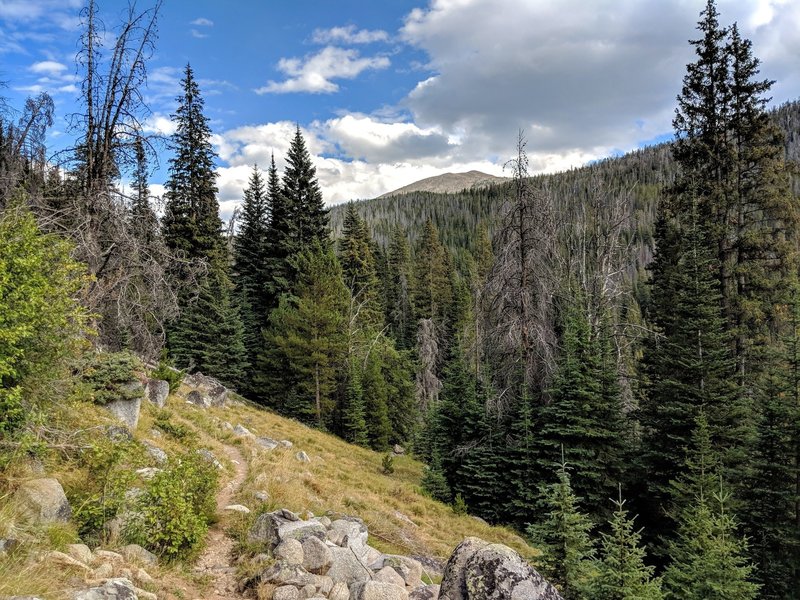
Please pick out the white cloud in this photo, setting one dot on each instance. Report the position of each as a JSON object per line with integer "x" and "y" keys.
{"x": 48, "y": 67}
{"x": 159, "y": 124}
{"x": 348, "y": 35}
{"x": 202, "y": 22}
{"x": 314, "y": 73}
{"x": 196, "y": 34}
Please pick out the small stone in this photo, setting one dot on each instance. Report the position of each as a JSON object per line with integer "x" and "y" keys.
{"x": 59, "y": 559}
{"x": 287, "y": 514}
{"x": 325, "y": 522}
{"x": 398, "y": 449}
{"x": 286, "y": 444}
{"x": 134, "y": 553}
{"x": 242, "y": 430}
{"x": 239, "y": 508}
{"x": 156, "y": 453}
{"x": 290, "y": 551}
{"x": 143, "y": 595}
{"x": 43, "y": 501}
{"x": 142, "y": 577}
{"x": 302, "y": 457}
{"x": 147, "y": 473}
{"x": 209, "y": 456}
{"x": 107, "y": 556}
{"x": 104, "y": 571}
{"x": 308, "y": 591}
{"x": 267, "y": 443}
{"x": 157, "y": 391}
{"x": 261, "y": 496}
{"x": 198, "y": 399}
{"x": 113, "y": 589}
{"x": 425, "y": 592}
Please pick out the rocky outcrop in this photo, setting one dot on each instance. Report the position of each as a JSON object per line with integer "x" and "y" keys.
{"x": 42, "y": 501}
{"x": 212, "y": 392}
{"x": 127, "y": 411}
{"x": 480, "y": 570}
{"x": 156, "y": 391}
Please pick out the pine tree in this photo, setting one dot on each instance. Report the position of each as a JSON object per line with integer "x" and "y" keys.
{"x": 563, "y": 537}
{"x": 358, "y": 267}
{"x": 307, "y": 338}
{"x": 191, "y": 219}
{"x": 400, "y": 291}
{"x": 621, "y": 570}
{"x": 708, "y": 557}
{"x": 276, "y": 244}
{"x": 355, "y": 424}
{"x": 376, "y": 398}
{"x": 432, "y": 291}
{"x": 144, "y": 220}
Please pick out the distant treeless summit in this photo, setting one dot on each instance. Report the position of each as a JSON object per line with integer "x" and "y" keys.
{"x": 449, "y": 182}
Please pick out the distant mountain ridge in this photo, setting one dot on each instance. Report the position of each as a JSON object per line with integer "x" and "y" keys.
{"x": 449, "y": 183}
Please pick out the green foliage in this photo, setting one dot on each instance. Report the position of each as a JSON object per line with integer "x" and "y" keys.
{"x": 166, "y": 372}
{"x": 164, "y": 421}
{"x": 175, "y": 509}
{"x": 563, "y": 537}
{"x": 621, "y": 570}
{"x": 387, "y": 464}
{"x": 111, "y": 376}
{"x": 40, "y": 322}
{"x": 434, "y": 482}
{"x": 459, "y": 506}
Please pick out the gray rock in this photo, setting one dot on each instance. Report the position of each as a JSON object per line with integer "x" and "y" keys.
{"x": 337, "y": 537}
{"x": 408, "y": 568}
{"x": 286, "y": 592}
{"x": 286, "y": 444}
{"x": 325, "y": 522}
{"x": 267, "y": 443}
{"x": 308, "y": 591}
{"x": 199, "y": 399}
{"x": 119, "y": 434}
{"x": 104, "y": 571}
{"x": 209, "y": 456}
{"x": 398, "y": 449}
{"x": 148, "y": 473}
{"x": 80, "y": 552}
{"x": 270, "y": 529}
{"x": 287, "y": 514}
{"x": 317, "y": 557}
{"x": 113, "y": 589}
{"x": 377, "y": 590}
{"x": 156, "y": 391}
{"x": 208, "y": 386}
{"x": 283, "y": 573}
{"x": 290, "y": 551}
{"x": 43, "y": 501}
{"x": 346, "y": 567}
{"x": 242, "y": 430}
{"x": 389, "y": 575}
{"x": 478, "y": 570}
{"x": 108, "y": 556}
{"x": 127, "y": 411}
{"x": 239, "y": 508}
{"x": 134, "y": 553}
{"x": 339, "y": 591}
{"x": 156, "y": 453}
{"x": 425, "y": 592}
{"x": 261, "y": 496}
{"x": 302, "y": 457}
{"x": 59, "y": 560}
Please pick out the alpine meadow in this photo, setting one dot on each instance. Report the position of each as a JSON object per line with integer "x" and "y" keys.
{"x": 235, "y": 364}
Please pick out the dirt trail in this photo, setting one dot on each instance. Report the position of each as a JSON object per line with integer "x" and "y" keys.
{"x": 215, "y": 561}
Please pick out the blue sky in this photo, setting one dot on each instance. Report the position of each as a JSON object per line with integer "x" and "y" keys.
{"x": 389, "y": 92}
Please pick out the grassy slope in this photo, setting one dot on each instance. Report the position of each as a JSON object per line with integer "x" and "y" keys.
{"x": 340, "y": 478}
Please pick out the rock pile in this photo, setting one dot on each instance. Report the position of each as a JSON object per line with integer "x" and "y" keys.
{"x": 323, "y": 558}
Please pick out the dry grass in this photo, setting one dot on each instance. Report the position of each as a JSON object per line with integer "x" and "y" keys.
{"x": 346, "y": 479}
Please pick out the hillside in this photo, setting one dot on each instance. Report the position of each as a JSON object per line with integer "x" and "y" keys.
{"x": 448, "y": 183}
{"x": 335, "y": 479}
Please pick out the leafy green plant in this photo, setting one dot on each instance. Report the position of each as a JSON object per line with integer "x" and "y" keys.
{"x": 110, "y": 376}
{"x": 165, "y": 423}
{"x": 175, "y": 510}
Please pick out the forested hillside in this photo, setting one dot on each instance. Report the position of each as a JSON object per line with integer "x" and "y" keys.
{"x": 606, "y": 360}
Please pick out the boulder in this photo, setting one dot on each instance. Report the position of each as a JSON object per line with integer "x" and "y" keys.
{"x": 317, "y": 557}
{"x": 59, "y": 561}
{"x": 398, "y": 449}
{"x": 43, "y": 501}
{"x": 199, "y": 399}
{"x": 425, "y": 592}
{"x": 156, "y": 453}
{"x": 479, "y": 570}
{"x": 408, "y": 568}
{"x": 156, "y": 391}
{"x": 209, "y": 456}
{"x": 80, "y": 552}
{"x": 389, "y": 575}
{"x": 127, "y": 411}
{"x": 108, "y": 556}
{"x": 113, "y": 589}
{"x": 134, "y": 553}
{"x": 286, "y": 592}
{"x": 104, "y": 571}
{"x": 290, "y": 551}
{"x": 267, "y": 443}
{"x": 286, "y": 444}
{"x": 339, "y": 591}
{"x": 208, "y": 386}
{"x": 308, "y": 591}
{"x": 239, "y": 508}
{"x": 302, "y": 457}
{"x": 283, "y": 573}
{"x": 346, "y": 567}
{"x": 241, "y": 430}
{"x": 270, "y": 529}
{"x": 377, "y": 590}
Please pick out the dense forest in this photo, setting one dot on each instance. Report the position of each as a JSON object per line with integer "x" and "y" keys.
{"x": 606, "y": 359}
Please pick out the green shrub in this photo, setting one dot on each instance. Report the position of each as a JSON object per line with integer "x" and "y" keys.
{"x": 388, "y": 463}
{"x": 174, "y": 511}
{"x": 163, "y": 420}
{"x": 109, "y": 376}
{"x": 166, "y": 372}
{"x": 434, "y": 483}
{"x": 459, "y": 506}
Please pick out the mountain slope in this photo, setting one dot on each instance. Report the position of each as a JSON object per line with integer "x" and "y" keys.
{"x": 448, "y": 182}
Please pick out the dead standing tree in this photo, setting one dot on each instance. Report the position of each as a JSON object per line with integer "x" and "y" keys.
{"x": 521, "y": 286}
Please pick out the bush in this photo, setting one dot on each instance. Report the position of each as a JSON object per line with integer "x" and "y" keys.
{"x": 108, "y": 376}
{"x": 434, "y": 483}
{"x": 388, "y": 463}
{"x": 166, "y": 372}
{"x": 164, "y": 422}
{"x": 174, "y": 511}
{"x": 459, "y": 506}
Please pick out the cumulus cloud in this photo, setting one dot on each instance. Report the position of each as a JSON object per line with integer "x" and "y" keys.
{"x": 314, "y": 73}
{"x": 202, "y": 22}
{"x": 48, "y": 67}
{"x": 348, "y": 35}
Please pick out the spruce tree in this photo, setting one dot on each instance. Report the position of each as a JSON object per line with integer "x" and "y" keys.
{"x": 358, "y": 267}
{"x": 191, "y": 220}
{"x": 622, "y": 573}
{"x": 354, "y": 422}
{"x": 432, "y": 291}
{"x": 276, "y": 244}
{"x": 400, "y": 291}
{"x": 377, "y": 398}
{"x": 145, "y": 222}
{"x": 563, "y": 537}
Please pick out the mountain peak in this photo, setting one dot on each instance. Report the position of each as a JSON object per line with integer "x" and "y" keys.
{"x": 448, "y": 182}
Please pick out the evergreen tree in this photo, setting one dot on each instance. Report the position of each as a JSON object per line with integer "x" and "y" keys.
{"x": 307, "y": 338}
{"x": 376, "y": 397}
{"x": 276, "y": 244}
{"x": 191, "y": 218}
{"x": 355, "y": 425}
{"x": 358, "y": 267}
{"x": 563, "y": 537}
{"x": 432, "y": 291}
{"x": 621, "y": 570}
{"x": 145, "y": 222}
{"x": 400, "y": 291}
